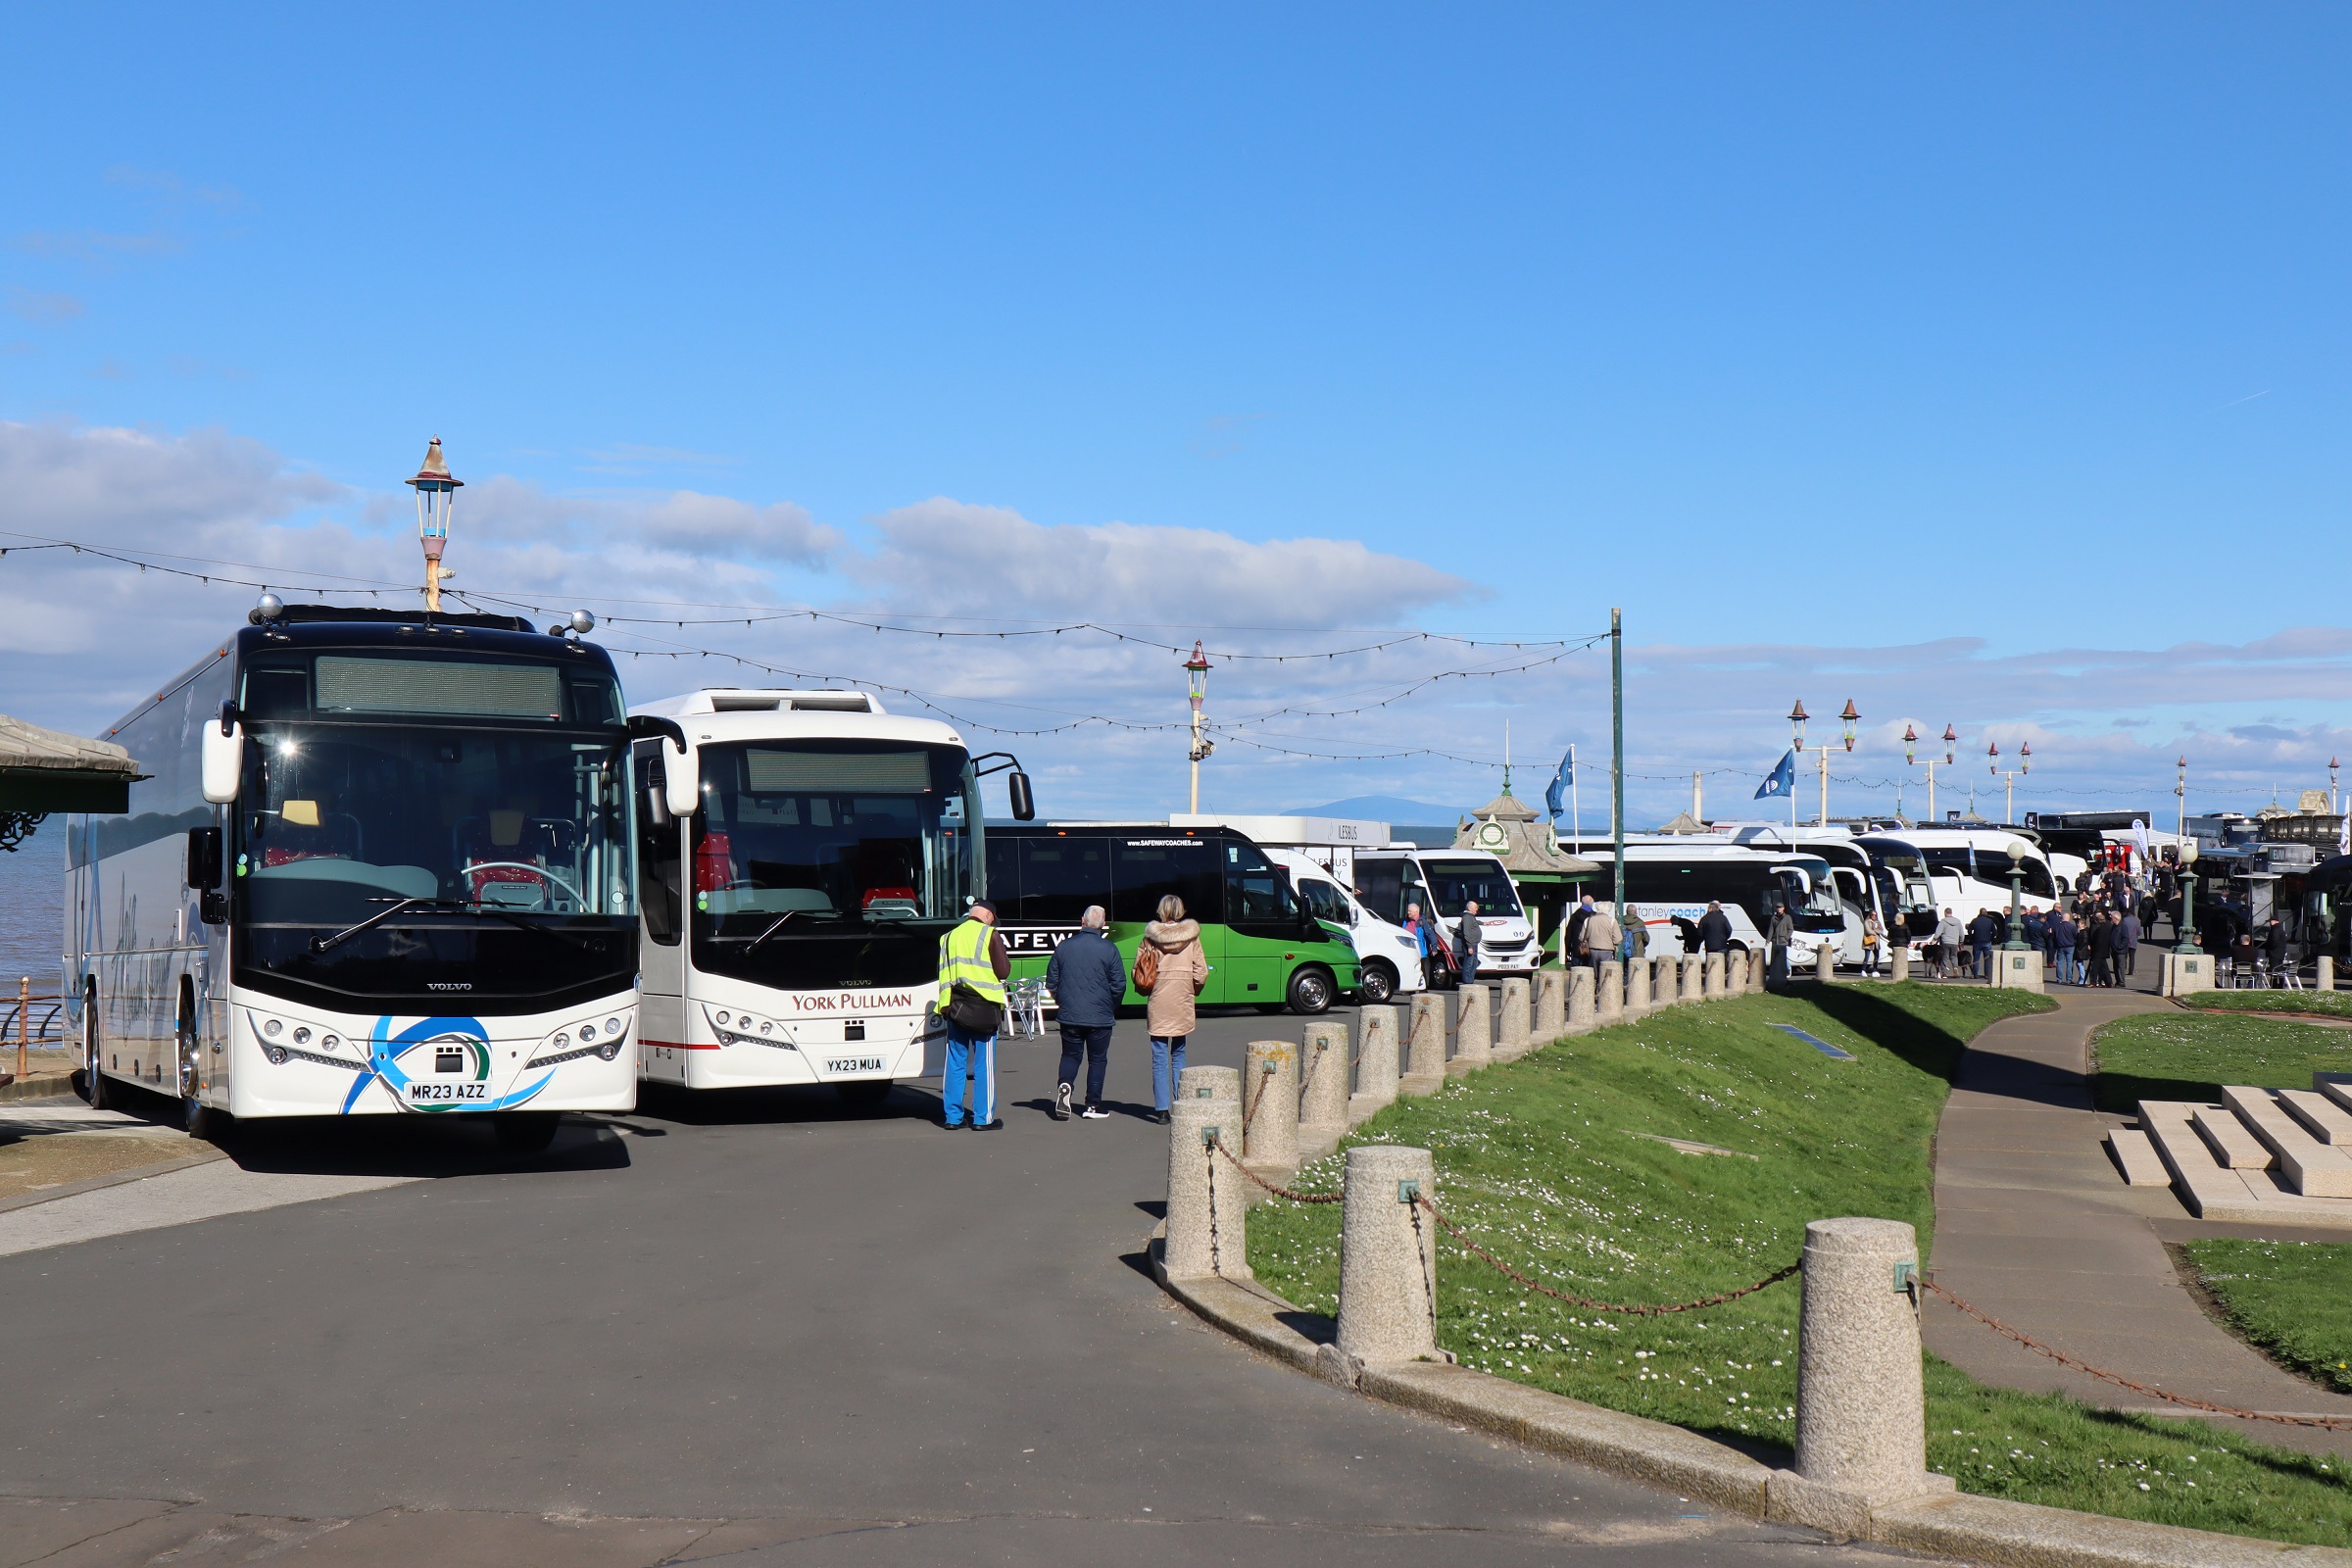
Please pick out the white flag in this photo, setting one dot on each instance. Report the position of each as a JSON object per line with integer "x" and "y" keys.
{"x": 2140, "y": 841}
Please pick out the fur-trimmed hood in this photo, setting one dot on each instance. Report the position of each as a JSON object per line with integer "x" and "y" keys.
{"x": 1171, "y": 936}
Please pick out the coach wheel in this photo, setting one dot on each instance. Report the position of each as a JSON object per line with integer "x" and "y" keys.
{"x": 525, "y": 1132}
{"x": 203, "y": 1122}
{"x": 1311, "y": 991}
{"x": 93, "y": 1081}
{"x": 1376, "y": 984}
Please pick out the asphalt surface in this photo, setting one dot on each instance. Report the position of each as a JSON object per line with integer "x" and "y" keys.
{"x": 755, "y": 1329}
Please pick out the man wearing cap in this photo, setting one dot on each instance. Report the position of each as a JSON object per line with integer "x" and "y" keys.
{"x": 972, "y": 961}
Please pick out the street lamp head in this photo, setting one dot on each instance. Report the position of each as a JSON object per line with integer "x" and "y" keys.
{"x": 1910, "y": 740}
{"x": 436, "y": 496}
{"x": 1951, "y": 738}
{"x": 2025, "y": 757}
{"x": 1850, "y": 716}
{"x": 1796, "y": 723}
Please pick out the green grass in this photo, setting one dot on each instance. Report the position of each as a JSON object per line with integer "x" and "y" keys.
{"x": 2182, "y": 1056}
{"x": 1540, "y": 1161}
{"x": 2320, "y": 1003}
{"x": 2293, "y": 1299}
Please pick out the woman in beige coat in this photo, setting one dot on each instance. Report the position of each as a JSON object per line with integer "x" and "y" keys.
{"x": 1183, "y": 972}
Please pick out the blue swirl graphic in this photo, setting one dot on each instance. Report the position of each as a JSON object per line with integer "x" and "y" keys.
{"x": 384, "y": 1050}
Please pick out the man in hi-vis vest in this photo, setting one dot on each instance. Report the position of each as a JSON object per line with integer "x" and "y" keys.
{"x": 972, "y": 957}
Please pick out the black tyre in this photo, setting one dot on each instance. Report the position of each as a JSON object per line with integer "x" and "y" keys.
{"x": 1375, "y": 983}
{"x": 1311, "y": 990}
{"x": 864, "y": 1093}
{"x": 93, "y": 1081}
{"x": 525, "y": 1132}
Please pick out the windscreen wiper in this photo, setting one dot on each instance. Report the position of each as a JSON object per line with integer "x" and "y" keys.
{"x": 453, "y": 905}
{"x": 774, "y": 926}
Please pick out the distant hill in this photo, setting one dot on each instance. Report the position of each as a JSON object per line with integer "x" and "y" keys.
{"x": 1388, "y": 808}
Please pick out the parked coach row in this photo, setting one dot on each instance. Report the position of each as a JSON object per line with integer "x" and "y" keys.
{"x": 384, "y": 863}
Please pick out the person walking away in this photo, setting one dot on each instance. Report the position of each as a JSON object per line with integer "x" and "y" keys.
{"x": 1982, "y": 932}
{"x": 1778, "y": 937}
{"x": 1636, "y": 937}
{"x": 1874, "y": 942}
{"x": 2127, "y": 944}
{"x": 972, "y": 966}
{"x": 1950, "y": 936}
{"x": 1467, "y": 932}
{"x": 2063, "y": 933}
{"x": 2098, "y": 942}
{"x": 2274, "y": 949}
{"x": 1605, "y": 937}
{"x": 1714, "y": 929}
{"x": 1088, "y": 980}
{"x": 1572, "y": 941}
{"x": 1178, "y": 970}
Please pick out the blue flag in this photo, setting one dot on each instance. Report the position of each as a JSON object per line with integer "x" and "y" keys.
{"x": 1783, "y": 780}
{"x": 1559, "y": 783}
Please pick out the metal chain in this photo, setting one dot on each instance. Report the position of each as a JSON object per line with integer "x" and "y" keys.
{"x": 1586, "y": 1302}
{"x": 1278, "y": 1192}
{"x": 1216, "y": 1259}
{"x": 2328, "y": 1423}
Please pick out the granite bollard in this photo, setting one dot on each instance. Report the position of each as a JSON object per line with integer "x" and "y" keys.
{"x": 1636, "y": 987}
{"x": 1270, "y": 1105}
{"x": 1212, "y": 1083}
{"x": 1898, "y": 963}
{"x": 1712, "y": 982}
{"x": 1825, "y": 963}
{"x": 1510, "y": 1020}
{"x": 1323, "y": 1070}
{"x": 1551, "y": 1005}
{"x": 1388, "y": 1258}
{"x": 1581, "y": 1005}
{"x": 1693, "y": 972}
{"x": 1376, "y": 1066}
{"x": 2325, "y": 978}
{"x": 1425, "y": 1046}
{"x": 1473, "y": 1030}
{"x": 1205, "y": 1234}
{"x": 1609, "y": 999}
{"x": 1861, "y": 1428}
{"x": 1757, "y": 967}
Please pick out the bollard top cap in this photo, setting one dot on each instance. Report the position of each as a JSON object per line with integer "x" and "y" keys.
{"x": 1890, "y": 1238}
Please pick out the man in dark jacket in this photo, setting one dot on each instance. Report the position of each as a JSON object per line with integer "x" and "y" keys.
{"x": 1715, "y": 930}
{"x": 1982, "y": 932}
{"x": 1468, "y": 932}
{"x": 2127, "y": 944}
{"x": 1088, "y": 979}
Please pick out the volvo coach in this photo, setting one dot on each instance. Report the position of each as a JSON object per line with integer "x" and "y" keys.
{"x": 381, "y": 863}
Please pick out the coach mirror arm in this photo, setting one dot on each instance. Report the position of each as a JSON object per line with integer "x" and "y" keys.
{"x": 1024, "y": 803}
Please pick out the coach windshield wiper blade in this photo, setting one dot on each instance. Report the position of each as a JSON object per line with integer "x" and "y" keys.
{"x": 511, "y": 917}
{"x": 774, "y": 926}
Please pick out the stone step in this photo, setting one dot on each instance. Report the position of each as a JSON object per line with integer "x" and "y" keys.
{"x": 2330, "y": 1123}
{"x": 2234, "y": 1142}
{"x": 2202, "y": 1182}
{"x": 2136, "y": 1158}
{"x": 2313, "y": 1169}
{"x": 2336, "y": 1086}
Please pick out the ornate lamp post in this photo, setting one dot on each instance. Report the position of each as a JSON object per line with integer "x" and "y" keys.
{"x": 2332, "y": 807}
{"x": 2025, "y": 758}
{"x": 437, "y": 498}
{"x": 2017, "y": 895}
{"x": 1951, "y": 738}
{"x": 2180, "y": 789}
{"x": 1797, "y": 744}
{"x": 2188, "y": 899}
{"x": 1196, "y": 669}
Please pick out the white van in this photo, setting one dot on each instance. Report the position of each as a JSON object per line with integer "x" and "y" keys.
{"x": 1441, "y": 881}
{"x": 1388, "y": 956}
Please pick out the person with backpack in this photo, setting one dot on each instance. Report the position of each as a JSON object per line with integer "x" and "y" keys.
{"x": 1169, "y": 969}
{"x": 1604, "y": 939}
{"x": 972, "y": 966}
{"x": 1088, "y": 982}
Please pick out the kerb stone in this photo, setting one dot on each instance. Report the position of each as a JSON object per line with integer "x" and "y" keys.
{"x": 1388, "y": 1256}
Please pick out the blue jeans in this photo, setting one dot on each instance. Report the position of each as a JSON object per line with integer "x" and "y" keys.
{"x": 977, "y": 1055}
{"x": 1093, "y": 1042}
{"x": 1984, "y": 952}
{"x": 2066, "y": 965}
{"x": 1167, "y": 1065}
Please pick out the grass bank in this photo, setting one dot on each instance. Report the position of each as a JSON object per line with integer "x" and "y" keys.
{"x": 2293, "y": 1299}
{"x": 2191, "y": 1055}
{"x": 1554, "y": 1162}
{"x": 2319, "y": 1003}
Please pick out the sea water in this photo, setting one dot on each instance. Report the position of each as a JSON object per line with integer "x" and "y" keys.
{"x": 32, "y": 885}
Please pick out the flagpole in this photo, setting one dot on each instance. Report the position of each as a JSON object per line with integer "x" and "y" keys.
{"x": 1617, "y": 755}
{"x": 1575, "y": 818}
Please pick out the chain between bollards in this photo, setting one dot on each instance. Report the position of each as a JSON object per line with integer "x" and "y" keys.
{"x": 1586, "y": 1302}
{"x": 1279, "y": 1192}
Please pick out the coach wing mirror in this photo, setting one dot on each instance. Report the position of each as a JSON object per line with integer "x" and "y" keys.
{"x": 204, "y": 858}
{"x": 681, "y": 764}
{"x": 1024, "y": 803}
{"x": 224, "y": 756}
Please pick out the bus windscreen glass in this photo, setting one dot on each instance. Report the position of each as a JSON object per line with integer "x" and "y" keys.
{"x": 1453, "y": 883}
{"x": 830, "y": 863}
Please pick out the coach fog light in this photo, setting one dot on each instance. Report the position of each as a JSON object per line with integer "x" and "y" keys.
{"x": 735, "y": 1027}
{"x": 604, "y": 1043}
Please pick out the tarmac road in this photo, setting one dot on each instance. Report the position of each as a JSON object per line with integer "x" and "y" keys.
{"x": 756, "y": 1327}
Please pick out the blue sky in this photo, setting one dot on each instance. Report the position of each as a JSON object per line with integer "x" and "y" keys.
{"x": 1976, "y": 362}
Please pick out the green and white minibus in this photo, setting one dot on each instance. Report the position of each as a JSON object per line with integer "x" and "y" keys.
{"x": 1264, "y": 948}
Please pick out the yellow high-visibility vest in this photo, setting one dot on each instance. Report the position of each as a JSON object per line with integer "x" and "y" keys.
{"x": 963, "y": 960}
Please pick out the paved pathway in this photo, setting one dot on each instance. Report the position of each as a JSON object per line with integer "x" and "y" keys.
{"x": 2035, "y": 1227}
{"x": 754, "y": 1328}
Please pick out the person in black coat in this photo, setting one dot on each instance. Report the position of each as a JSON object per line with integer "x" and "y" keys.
{"x": 1088, "y": 980}
{"x": 1715, "y": 930}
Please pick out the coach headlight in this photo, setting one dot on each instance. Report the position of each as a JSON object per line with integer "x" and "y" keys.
{"x": 579, "y": 1041}
{"x": 735, "y": 1027}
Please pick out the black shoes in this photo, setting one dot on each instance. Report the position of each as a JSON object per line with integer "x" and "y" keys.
{"x": 1093, "y": 1113}
{"x": 996, "y": 1126}
{"x": 1061, "y": 1103}
{"x": 1161, "y": 1117}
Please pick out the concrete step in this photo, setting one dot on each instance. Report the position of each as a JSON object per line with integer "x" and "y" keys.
{"x": 2313, "y": 1169}
{"x": 2234, "y": 1142}
{"x": 2327, "y": 1121}
{"x": 2202, "y": 1182}
{"x": 2336, "y": 1086}
{"x": 2136, "y": 1158}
